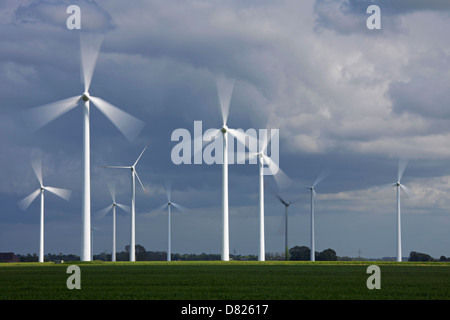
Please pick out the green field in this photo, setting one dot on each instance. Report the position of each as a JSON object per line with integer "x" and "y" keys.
{"x": 225, "y": 281}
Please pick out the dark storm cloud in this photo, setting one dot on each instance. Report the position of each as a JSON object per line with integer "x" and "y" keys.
{"x": 427, "y": 92}
{"x": 426, "y": 96}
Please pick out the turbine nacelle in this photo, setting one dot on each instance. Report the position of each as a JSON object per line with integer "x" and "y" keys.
{"x": 224, "y": 128}
{"x": 85, "y": 97}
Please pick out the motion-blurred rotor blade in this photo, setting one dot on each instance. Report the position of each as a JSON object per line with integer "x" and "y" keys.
{"x": 25, "y": 202}
{"x": 63, "y": 193}
{"x": 168, "y": 188}
{"x": 112, "y": 191}
{"x": 101, "y": 213}
{"x": 90, "y": 48}
{"x": 37, "y": 167}
{"x": 282, "y": 180}
{"x": 321, "y": 177}
{"x": 140, "y": 156}
{"x": 280, "y": 198}
{"x": 406, "y": 189}
{"x": 38, "y": 117}
{"x": 401, "y": 169}
{"x": 179, "y": 207}
{"x": 117, "y": 167}
{"x": 127, "y": 124}
{"x": 160, "y": 208}
{"x": 243, "y": 138}
{"x": 124, "y": 207}
{"x": 137, "y": 176}
{"x": 224, "y": 91}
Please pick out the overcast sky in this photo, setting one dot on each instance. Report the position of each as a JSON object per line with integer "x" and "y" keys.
{"x": 345, "y": 99}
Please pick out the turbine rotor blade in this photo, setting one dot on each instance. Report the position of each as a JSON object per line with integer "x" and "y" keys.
{"x": 168, "y": 188}
{"x": 39, "y": 116}
{"x": 401, "y": 169}
{"x": 242, "y": 137}
{"x": 224, "y": 91}
{"x": 127, "y": 124}
{"x": 37, "y": 168}
{"x": 281, "y": 200}
{"x": 282, "y": 180}
{"x": 101, "y": 213}
{"x": 179, "y": 207}
{"x": 118, "y": 167}
{"x": 160, "y": 208}
{"x": 320, "y": 177}
{"x": 406, "y": 189}
{"x": 124, "y": 207}
{"x": 140, "y": 156}
{"x": 89, "y": 50}
{"x": 112, "y": 191}
{"x": 137, "y": 176}
{"x": 25, "y": 202}
{"x": 62, "y": 193}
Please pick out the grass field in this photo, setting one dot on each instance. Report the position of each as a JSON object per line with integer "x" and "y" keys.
{"x": 225, "y": 281}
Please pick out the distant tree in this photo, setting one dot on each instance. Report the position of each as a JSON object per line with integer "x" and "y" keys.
{"x": 300, "y": 253}
{"x": 417, "y": 256}
{"x": 443, "y": 258}
{"x": 141, "y": 253}
{"x": 327, "y": 255}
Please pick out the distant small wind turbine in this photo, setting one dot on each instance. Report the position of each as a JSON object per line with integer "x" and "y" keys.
{"x": 286, "y": 204}
{"x": 25, "y": 203}
{"x": 169, "y": 205}
{"x": 127, "y": 124}
{"x": 401, "y": 168}
{"x": 313, "y": 195}
{"x": 133, "y": 201}
{"x": 103, "y": 212}
{"x": 92, "y": 242}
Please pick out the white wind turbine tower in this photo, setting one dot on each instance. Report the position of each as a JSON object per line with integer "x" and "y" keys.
{"x": 225, "y": 91}
{"x": 127, "y": 124}
{"x": 25, "y": 203}
{"x": 313, "y": 195}
{"x": 133, "y": 202}
{"x": 169, "y": 205}
{"x": 105, "y": 211}
{"x": 398, "y": 185}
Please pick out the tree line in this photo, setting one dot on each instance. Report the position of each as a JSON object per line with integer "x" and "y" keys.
{"x": 296, "y": 253}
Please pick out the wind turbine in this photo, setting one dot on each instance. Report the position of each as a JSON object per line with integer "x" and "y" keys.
{"x": 225, "y": 90}
{"x": 133, "y": 201}
{"x": 105, "y": 211}
{"x": 321, "y": 176}
{"x": 25, "y": 203}
{"x": 398, "y": 185}
{"x": 127, "y": 124}
{"x": 286, "y": 206}
{"x": 169, "y": 205}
